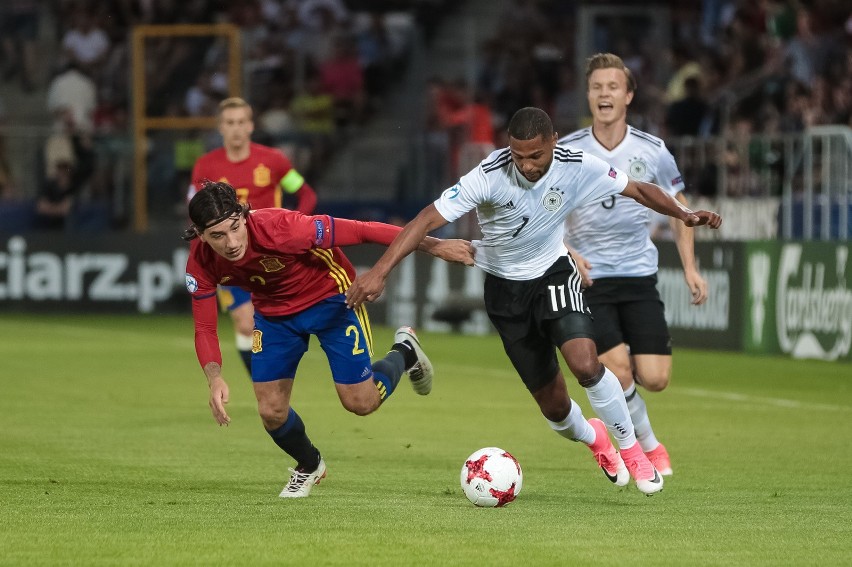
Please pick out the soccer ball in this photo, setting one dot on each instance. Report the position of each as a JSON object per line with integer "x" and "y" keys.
{"x": 491, "y": 477}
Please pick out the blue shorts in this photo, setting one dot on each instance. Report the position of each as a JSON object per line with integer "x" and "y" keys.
{"x": 231, "y": 297}
{"x": 278, "y": 343}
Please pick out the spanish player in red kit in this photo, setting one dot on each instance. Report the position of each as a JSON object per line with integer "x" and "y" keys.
{"x": 297, "y": 275}
{"x": 263, "y": 177}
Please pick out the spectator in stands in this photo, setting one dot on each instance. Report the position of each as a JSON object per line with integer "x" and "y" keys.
{"x": 201, "y": 98}
{"x": 68, "y": 166}
{"x": 56, "y": 198}
{"x": 72, "y": 99}
{"x": 314, "y": 116}
{"x": 275, "y": 120}
{"x": 686, "y": 116}
{"x": 477, "y": 125}
{"x": 343, "y": 78}
{"x": 7, "y": 184}
{"x": 436, "y": 136}
{"x": 86, "y": 44}
{"x": 739, "y": 157}
{"x": 374, "y": 55}
{"x": 317, "y": 40}
{"x": 19, "y": 21}
{"x": 686, "y": 67}
{"x": 315, "y": 14}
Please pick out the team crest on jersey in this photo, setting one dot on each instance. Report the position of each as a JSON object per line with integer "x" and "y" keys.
{"x": 256, "y": 341}
{"x": 191, "y": 283}
{"x": 224, "y": 280}
{"x": 552, "y": 200}
{"x": 262, "y": 175}
{"x": 638, "y": 168}
{"x": 271, "y": 264}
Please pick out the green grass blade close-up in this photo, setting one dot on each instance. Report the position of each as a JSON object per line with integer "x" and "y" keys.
{"x": 109, "y": 455}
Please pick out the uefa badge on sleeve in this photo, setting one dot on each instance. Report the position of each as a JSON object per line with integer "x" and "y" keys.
{"x": 191, "y": 283}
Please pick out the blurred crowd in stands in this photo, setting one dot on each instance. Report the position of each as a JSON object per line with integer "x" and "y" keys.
{"x": 317, "y": 70}
{"x": 735, "y": 68}
{"x": 314, "y": 70}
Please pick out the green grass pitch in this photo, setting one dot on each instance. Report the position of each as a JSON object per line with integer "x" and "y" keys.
{"x": 109, "y": 455}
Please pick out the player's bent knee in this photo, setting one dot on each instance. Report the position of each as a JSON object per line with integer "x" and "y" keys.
{"x": 654, "y": 382}
{"x": 272, "y": 416}
{"x": 588, "y": 374}
{"x": 361, "y": 406}
{"x": 360, "y": 399}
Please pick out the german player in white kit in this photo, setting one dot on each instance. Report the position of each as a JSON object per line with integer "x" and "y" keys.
{"x": 610, "y": 240}
{"x": 522, "y": 195}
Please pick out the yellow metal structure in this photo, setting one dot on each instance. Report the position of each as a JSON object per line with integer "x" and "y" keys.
{"x": 143, "y": 123}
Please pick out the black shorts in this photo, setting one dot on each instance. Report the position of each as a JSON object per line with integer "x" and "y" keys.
{"x": 629, "y": 310}
{"x": 533, "y": 317}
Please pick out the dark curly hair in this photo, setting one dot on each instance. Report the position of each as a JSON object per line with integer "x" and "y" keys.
{"x": 215, "y": 202}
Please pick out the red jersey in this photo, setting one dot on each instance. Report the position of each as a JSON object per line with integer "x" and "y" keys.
{"x": 291, "y": 263}
{"x": 259, "y": 179}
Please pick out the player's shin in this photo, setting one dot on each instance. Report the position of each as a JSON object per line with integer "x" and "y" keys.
{"x": 387, "y": 372}
{"x": 607, "y": 399}
{"x": 293, "y": 440}
{"x": 641, "y": 421}
{"x": 574, "y": 426}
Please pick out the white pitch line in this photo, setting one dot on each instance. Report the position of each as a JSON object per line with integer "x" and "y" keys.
{"x": 777, "y": 402}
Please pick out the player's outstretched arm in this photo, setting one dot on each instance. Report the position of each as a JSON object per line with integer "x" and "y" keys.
{"x": 653, "y": 197}
{"x": 370, "y": 285}
{"x": 348, "y": 232}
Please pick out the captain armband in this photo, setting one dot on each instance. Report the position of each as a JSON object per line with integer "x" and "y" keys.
{"x": 292, "y": 181}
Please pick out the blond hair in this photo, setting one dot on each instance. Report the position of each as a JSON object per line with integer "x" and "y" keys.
{"x": 609, "y": 61}
{"x": 233, "y": 102}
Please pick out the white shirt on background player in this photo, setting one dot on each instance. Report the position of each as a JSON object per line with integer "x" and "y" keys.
{"x": 522, "y": 222}
{"x": 613, "y": 235}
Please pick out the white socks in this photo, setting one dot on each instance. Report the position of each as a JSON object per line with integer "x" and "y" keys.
{"x": 641, "y": 421}
{"x": 607, "y": 399}
{"x": 574, "y": 426}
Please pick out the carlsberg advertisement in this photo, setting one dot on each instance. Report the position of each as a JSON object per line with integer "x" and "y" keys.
{"x": 798, "y": 299}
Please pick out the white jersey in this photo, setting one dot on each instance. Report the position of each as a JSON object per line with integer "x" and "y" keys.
{"x": 613, "y": 234}
{"x": 523, "y": 222}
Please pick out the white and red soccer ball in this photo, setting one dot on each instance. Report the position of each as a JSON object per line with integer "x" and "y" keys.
{"x": 491, "y": 477}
